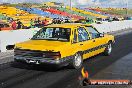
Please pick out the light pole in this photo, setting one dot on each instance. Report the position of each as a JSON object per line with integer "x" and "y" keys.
{"x": 127, "y": 7}
{"x": 70, "y": 5}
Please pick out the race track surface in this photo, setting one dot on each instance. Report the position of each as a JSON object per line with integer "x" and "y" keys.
{"x": 16, "y": 75}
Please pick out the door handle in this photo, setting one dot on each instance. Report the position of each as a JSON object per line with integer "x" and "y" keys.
{"x": 93, "y": 40}
{"x": 81, "y": 44}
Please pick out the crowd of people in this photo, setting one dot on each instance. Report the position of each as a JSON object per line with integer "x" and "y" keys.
{"x": 41, "y": 23}
{"x": 17, "y": 24}
{"x": 60, "y": 20}
{"x": 38, "y": 23}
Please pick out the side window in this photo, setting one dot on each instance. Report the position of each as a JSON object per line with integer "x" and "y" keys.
{"x": 93, "y": 32}
{"x": 75, "y": 37}
{"x": 82, "y": 34}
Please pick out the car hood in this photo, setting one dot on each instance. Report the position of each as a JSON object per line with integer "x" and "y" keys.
{"x": 42, "y": 45}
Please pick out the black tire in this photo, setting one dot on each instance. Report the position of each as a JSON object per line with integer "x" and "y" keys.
{"x": 77, "y": 61}
{"x": 108, "y": 49}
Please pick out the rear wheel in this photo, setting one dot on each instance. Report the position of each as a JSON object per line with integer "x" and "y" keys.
{"x": 108, "y": 49}
{"x": 77, "y": 61}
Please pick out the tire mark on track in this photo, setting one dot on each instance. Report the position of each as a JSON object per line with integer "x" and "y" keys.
{"x": 26, "y": 76}
{"x": 61, "y": 83}
{"x": 5, "y": 66}
{"x": 13, "y": 76}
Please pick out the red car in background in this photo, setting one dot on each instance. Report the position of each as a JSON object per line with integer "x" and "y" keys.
{"x": 5, "y": 26}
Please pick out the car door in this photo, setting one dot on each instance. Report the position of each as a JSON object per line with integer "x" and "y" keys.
{"x": 98, "y": 40}
{"x": 82, "y": 42}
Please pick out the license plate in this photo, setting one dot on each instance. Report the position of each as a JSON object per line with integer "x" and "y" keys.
{"x": 32, "y": 61}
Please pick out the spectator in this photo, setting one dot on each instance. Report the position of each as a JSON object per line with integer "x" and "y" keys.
{"x": 39, "y": 22}
{"x": 54, "y": 21}
{"x": 19, "y": 24}
{"x": 35, "y": 22}
{"x": 59, "y": 21}
{"x": 11, "y": 19}
{"x": 32, "y": 24}
{"x": 45, "y": 22}
{"x": 67, "y": 21}
{"x": 62, "y": 20}
{"x": 13, "y": 25}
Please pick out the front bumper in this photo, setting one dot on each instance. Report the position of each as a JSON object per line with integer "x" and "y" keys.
{"x": 50, "y": 61}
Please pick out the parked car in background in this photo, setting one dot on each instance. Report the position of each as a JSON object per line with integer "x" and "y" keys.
{"x": 99, "y": 20}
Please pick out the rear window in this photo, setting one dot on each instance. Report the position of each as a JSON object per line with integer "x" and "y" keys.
{"x": 53, "y": 33}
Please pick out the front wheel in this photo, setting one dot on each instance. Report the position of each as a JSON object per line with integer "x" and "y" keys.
{"x": 77, "y": 61}
{"x": 108, "y": 49}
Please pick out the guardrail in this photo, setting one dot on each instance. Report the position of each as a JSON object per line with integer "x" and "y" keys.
{"x": 15, "y": 36}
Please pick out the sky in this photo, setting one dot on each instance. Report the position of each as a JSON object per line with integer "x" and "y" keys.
{"x": 82, "y": 3}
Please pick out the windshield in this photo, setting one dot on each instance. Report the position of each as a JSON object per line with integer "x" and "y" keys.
{"x": 57, "y": 34}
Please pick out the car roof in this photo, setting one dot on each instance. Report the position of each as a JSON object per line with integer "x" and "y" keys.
{"x": 67, "y": 25}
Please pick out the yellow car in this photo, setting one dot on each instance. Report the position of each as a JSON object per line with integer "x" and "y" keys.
{"x": 63, "y": 44}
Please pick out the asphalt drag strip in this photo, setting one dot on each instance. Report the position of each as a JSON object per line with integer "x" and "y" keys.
{"x": 16, "y": 75}
{"x": 97, "y": 64}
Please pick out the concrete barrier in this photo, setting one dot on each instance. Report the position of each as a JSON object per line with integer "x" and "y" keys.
{"x": 113, "y": 26}
{"x": 15, "y": 36}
